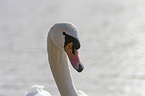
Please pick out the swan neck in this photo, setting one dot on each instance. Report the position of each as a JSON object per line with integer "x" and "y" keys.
{"x": 60, "y": 70}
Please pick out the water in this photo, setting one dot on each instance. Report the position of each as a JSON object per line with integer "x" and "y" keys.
{"x": 112, "y": 35}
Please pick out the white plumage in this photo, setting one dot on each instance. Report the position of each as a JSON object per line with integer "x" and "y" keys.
{"x": 37, "y": 90}
{"x": 58, "y": 62}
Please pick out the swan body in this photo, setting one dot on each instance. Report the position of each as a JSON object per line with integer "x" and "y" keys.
{"x": 37, "y": 90}
{"x": 62, "y": 41}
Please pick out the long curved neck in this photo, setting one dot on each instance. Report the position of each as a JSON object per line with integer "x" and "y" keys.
{"x": 60, "y": 70}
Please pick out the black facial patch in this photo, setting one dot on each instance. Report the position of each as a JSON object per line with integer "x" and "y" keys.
{"x": 68, "y": 39}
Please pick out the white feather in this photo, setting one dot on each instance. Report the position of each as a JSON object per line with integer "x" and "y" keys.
{"x": 37, "y": 90}
{"x": 58, "y": 66}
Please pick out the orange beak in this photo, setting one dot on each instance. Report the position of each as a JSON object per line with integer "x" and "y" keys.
{"x": 74, "y": 57}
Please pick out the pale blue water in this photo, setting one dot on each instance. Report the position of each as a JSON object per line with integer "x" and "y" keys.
{"x": 112, "y": 35}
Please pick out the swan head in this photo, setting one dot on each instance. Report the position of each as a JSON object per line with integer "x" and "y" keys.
{"x": 65, "y": 36}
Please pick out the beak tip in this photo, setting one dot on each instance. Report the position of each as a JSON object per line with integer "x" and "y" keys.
{"x": 80, "y": 68}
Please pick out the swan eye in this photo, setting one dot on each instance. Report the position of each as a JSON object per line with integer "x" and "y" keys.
{"x": 70, "y": 46}
{"x": 69, "y": 39}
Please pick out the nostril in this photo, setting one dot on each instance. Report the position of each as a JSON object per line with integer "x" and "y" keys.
{"x": 80, "y": 68}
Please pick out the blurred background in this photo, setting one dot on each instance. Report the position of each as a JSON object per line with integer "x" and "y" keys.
{"x": 112, "y": 35}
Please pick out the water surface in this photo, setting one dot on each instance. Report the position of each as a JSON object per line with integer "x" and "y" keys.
{"x": 112, "y": 35}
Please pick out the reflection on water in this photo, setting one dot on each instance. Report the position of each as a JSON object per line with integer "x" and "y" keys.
{"x": 112, "y": 37}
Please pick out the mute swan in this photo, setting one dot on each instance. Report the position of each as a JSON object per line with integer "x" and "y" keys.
{"x": 62, "y": 41}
